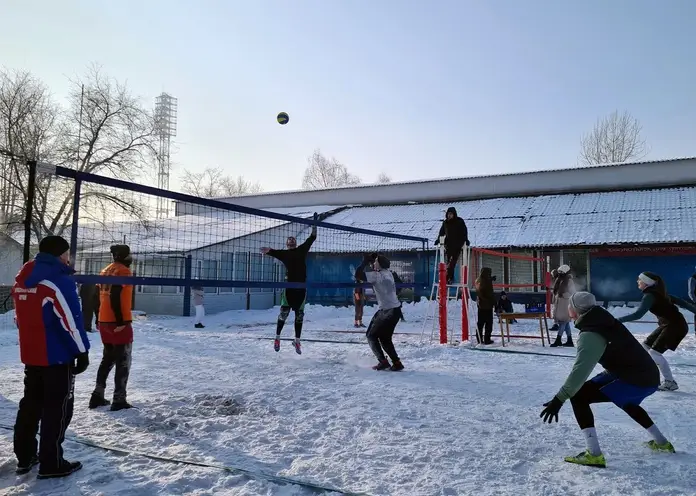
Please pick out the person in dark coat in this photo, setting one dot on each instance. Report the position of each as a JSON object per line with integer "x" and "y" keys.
{"x": 485, "y": 299}
{"x": 89, "y": 297}
{"x": 671, "y": 324}
{"x": 504, "y": 305}
{"x": 692, "y": 287}
{"x": 359, "y": 296}
{"x": 456, "y": 236}
{"x": 629, "y": 376}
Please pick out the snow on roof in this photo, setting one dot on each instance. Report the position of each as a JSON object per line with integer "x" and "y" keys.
{"x": 185, "y": 232}
{"x": 649, "y": 216}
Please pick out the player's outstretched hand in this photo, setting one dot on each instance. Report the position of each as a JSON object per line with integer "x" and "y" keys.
{"x": 265, "y": 250}
{"x": 550, "y": 412}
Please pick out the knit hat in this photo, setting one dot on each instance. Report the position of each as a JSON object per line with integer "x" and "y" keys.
{"x": 563, "y": 269}
{"x": 54, "y": 245}
{"x": 582, "y": 302}
{"x": 120, "y": 252}
{"x": 648, "y": 278}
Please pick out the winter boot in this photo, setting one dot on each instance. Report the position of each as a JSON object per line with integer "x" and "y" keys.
{"x": 556, "y": 343}
{"x": 199, "y": 326}
{"x": 64, "y": 469}
{"x": 120, "y": 405}
{"x": 668, "y": 386}
{"x": 396, "y": 366}
{"x": 25, "y": 468}
{"x": 97, "y": 400}
{"x": 382, "y": 365}
{"x": 569, "y": 343}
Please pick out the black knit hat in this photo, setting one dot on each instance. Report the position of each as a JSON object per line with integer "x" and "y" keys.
{"x": 54, "y": 245}
{"x": 120, "y": 252}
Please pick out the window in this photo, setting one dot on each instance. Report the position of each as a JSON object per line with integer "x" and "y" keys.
{"x": 172, "y": 268}
{"x": 256, "y": 270}
{"x": 207, "y": 269}
{"x": 241, "y": 265}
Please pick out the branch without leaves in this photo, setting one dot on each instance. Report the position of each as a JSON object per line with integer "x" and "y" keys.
{"x": 326, "y": 173}
{"x": 615, "y": 138}
{"x": 214, "y": 183}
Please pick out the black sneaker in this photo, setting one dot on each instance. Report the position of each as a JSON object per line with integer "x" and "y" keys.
{"x": 63, "y": 470}
{"x": 199, "y": 326}
{"x": 97, "y": 400}
{"x": 397, "y": 366}
{"x": 382, "y": 365}
{"x": 120, "y": 405}
{"x": 25, "y": 468}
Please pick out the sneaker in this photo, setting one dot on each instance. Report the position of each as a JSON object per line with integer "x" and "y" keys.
{"x": 396, "y": 366}
{"x": 668, "y": 386}
{"x": 382, "y": 365}
{"x": 63, "y": 470}
{"x": 298, "y": 347}
{"x": 120, "y": 405}
{"x": 667, "y": 447}
{"x": 25, "y": 468}
{"x": 276, "y": 344}
{"x": 199, "y": 326}
{"x": 97, "y": 400}
{"x": 585, "y": 458}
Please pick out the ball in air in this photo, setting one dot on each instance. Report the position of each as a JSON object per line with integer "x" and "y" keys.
{"x": 283, "y": 118}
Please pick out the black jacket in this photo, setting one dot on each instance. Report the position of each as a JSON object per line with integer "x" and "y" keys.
{"x": 485, "y": 295}
{"x": 624, "y": 356}
{"x": 295, "y": 260}
{"x": 454, "y": 230}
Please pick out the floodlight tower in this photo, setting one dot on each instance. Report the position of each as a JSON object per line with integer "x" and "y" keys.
{"x": 165, "y": 125}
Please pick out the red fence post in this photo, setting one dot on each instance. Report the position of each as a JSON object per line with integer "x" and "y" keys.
{"x": 442, "y": 295}
{"x": 465, "y": 301}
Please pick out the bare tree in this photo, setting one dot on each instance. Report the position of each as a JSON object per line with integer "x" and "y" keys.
{"x": 326, "y": 173}
{"x": 615, "y": 138}
{"x": 104, "y": 130}
{"x": 213, "y": 182}
{"x": 383, "y": 178}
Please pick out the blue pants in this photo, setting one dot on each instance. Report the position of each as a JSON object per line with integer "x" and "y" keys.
{"x": 619, "y": 392}
{"x": 564, "y": 327}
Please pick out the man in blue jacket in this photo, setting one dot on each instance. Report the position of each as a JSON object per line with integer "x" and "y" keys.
{"x": 54, "y": 348}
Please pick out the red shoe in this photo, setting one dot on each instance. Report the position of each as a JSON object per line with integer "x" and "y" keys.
{"x": 382, "y": 365}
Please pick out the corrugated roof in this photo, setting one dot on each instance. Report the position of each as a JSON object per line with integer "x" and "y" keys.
{"x": 651, "y": 216}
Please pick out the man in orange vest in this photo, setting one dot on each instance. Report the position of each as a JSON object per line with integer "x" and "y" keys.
{"x": 115, "y": 318}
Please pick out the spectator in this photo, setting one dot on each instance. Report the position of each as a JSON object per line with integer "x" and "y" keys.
{"x": 456, "y": 236}
{"x": 198, "y": 294}
{"x": 563, "y": 289}
{"x": 485, "y": 299}
{"x": 504, "y": 305}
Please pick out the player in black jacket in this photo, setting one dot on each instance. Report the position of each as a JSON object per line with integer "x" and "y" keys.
{"x": 295, "y": 260}
{"x": 456, "y": 236}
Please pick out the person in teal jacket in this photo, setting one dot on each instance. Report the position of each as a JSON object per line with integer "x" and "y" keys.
{"x": 671, "y": 324}
{"x": 630, "y": 375}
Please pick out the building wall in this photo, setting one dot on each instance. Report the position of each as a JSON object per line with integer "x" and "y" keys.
{"x": 11, "y": 256}
{"x": 173, "y": 304}
{"x": 614, "y": 271}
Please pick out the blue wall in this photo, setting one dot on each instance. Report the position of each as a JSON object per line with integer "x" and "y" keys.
{"x": 614, "y": 277}
{"x": 331, "y": 268}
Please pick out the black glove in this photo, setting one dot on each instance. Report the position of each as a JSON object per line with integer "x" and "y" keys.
{"x": 551, "y": 410}
{"x": 81, "y": 363}
{"x": 468, "y": 243}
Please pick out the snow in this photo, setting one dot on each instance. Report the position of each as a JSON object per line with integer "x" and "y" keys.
{"x": 456, "y": 421}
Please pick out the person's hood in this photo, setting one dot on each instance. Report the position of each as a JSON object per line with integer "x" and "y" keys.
{"x": 486, "y": 273}
{"x": 44, "y": 266}
{"x": 451, "y": 209}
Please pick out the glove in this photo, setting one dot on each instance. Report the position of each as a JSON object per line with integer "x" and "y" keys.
{"x": 551, "y": 410}
{"x": 468, "y": 243}
{"x": 81, "y": 363}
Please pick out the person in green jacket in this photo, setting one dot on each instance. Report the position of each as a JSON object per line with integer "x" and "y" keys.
{"x": 630, "y": 375}
{"x": 671, "y": 324}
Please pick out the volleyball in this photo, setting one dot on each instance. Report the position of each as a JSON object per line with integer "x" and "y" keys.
{"x": 283, "y": 118}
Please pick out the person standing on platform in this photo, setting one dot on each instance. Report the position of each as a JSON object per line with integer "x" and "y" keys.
{"x": 456, "y": 236}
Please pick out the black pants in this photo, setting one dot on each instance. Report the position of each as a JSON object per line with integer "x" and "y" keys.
{"x": 48, "y": 399}
{"x": 359, "y": 301}
{"x": 292, "y": 299}
{"x": 452, "y": 253}
{"x": 485, "y": 320}
{"x": 590, "y": 393}
{"x": 380, "y": 331}
{"x": 120, "y": 356}
{"x": 90, "y": 304}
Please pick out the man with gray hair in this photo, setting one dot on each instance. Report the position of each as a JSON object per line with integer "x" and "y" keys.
{"x": 630, "y": 375}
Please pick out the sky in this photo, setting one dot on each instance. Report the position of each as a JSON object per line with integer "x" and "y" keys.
{"x": 416, "y": 90}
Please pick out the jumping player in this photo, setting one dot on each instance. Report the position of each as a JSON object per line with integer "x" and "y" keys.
{"x": 381, "y": 329}
{"x": 629, "y": 377}
{"x": 295, "y": 260}
{"x": 671, "y": 324}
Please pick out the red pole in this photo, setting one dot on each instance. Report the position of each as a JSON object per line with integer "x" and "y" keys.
{"x": 442, "y": 295}
{"x": 465, "y": 304}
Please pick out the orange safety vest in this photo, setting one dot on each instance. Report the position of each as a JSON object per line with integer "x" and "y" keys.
{"x": 106, "y": 312}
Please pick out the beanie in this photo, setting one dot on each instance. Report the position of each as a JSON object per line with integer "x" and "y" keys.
{"x": 120, "y": 252}
{"x": 563, "y": 269}
{"x": 648, "y": 278}
{"x": 54, "y": 245}
{"x": 582, "y": 302}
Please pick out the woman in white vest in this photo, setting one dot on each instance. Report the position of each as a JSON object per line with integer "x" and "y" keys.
{"x": 197, "y": 293}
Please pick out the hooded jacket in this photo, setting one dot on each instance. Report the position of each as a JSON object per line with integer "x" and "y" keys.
{"x": 454, "y": 230}
{"x": 48, "y": 313}
{"x": 692, "y": 287}
{"x": 484, "y": 289}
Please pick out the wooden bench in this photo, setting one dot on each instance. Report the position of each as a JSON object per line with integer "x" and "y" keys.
{"x": 507, "y": 317}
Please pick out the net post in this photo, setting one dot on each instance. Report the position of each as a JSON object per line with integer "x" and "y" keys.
{"x": 188, "y": 270}
{"x": 442, "y": 296}
{"x": 547, "y": 280}
{"x": 465, "y": 293}
{"x": 29, "y": 213}
{"x": 75, "y": 222}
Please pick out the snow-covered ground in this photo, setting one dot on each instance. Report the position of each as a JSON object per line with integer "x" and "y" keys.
{"x": 456, "y": 421}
